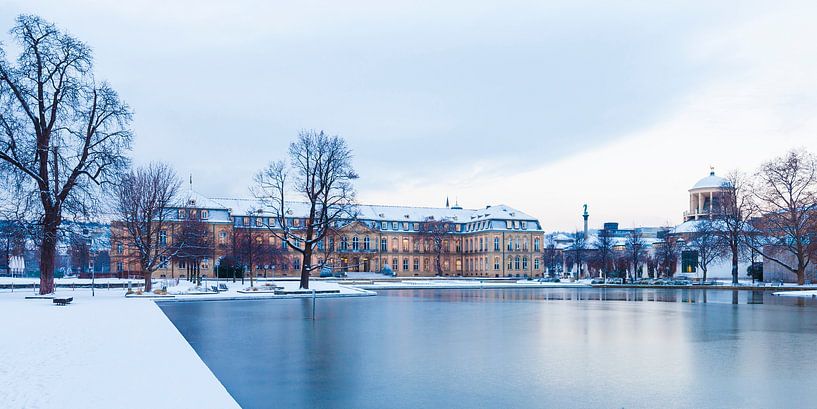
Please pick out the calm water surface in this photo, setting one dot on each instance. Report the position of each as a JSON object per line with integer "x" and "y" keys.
{"x": 606, "y": 348}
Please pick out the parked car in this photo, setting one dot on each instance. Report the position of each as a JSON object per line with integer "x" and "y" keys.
{"x": 615, "y": 280}
{"x": 597, "y": 280}
{"x": 549, "y": 280}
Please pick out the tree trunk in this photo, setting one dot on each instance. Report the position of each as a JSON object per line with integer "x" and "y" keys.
{"x": 801, "y": 276}
{"x": 307, "y": 262}
{"x": 704, "y": 270}
{"x": 148, "y": 282}
{"x": 48, "y": 252}
{"x": 735, "y": 266}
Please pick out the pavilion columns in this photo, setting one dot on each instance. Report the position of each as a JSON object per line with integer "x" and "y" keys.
{"x": 711, "y": 204}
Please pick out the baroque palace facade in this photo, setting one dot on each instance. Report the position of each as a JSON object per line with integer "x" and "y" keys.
{"x": 494, "y": 241}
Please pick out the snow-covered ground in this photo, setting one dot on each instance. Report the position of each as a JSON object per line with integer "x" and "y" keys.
{"x": 187, "y": 291}
{"x": 99, "y": 352}
{"x": 808, "y": 294}
{"x": 458, "y": 284}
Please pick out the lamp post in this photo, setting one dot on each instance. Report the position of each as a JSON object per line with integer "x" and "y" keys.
{"x": 217, "y": 264}
{"x": 89, "y": 243}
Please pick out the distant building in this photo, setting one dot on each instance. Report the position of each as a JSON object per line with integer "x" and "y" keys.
{"x": 494, "y": 241}
{"x": 705, "y": 201}
{"x": 705, "y": 197}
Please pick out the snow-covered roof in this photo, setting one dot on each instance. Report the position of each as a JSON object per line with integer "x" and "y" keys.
{"x": 198, "y": 200}
{"x": 685, "y": 227}
{"x": 244, "y": 207}
{"x": 710, "y": 181}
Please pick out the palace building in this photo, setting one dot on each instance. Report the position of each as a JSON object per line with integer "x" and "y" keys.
{"x": 494, "y": 241}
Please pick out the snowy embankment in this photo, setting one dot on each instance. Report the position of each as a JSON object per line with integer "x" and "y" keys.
{"x": 463, "y": 284}
{"x": 99, "y": 352}
{"x": 808, "y": 294}
{"x": 261, "y": 289}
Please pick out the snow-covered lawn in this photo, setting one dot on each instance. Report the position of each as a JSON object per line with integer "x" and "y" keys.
{"x": 99, "y": 352}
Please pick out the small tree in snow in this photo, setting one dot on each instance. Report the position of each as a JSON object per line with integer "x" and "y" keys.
{"x": 319, "y": 172}
{"x": 142, "y": 203}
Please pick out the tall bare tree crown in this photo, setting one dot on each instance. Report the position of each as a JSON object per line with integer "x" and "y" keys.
{"x": 63, "y": 134}
{"x": 319, "y": 173}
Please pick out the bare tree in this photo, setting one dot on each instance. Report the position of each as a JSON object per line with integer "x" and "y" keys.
{"x": 636, "y": 250}
{"x": 251, "y": 250}
{"x": 550, "y": 255}
{"x": 79, "y": 252}
{"x": 577, "y": 250}
{"x": 437, "y": 232}
{"x": 604, "y": 250}
{"x": 786, "y": 195}
{"x": 62, "y": 134}
{"x": 667, "y": 253}
{"x": 319, "y": 172}
{"x": 732, "y": 217}
{"x": 142, "y": 203}
{"x": 706, "y": 239}
{"x": 193, "y": 243}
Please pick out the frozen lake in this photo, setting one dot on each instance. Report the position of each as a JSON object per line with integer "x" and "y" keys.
{"x": 527, "y": 348}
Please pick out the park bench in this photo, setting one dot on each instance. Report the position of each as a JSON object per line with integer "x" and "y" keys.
{"x": 222, "y": 287}
{"x": 63, "y": 301}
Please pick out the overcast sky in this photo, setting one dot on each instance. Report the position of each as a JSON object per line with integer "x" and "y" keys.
{"x": 539, "y": 105}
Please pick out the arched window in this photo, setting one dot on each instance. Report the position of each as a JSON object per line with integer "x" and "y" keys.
{"x": 344, "y": 243}
{"x": 496, "y": 243}
{"x": 496, "y": 263}
{"x": 355, "y": 243}
{"x": 536, "y": 244}
{"x": 524, "y": 263}
{"x": 366, "y": 243}
{"x": 516, "y": 263}
{"x": 535, "y": 263}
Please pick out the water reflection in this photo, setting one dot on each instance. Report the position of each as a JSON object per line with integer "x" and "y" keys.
{"x": 525, "y": 348}
{"x": 601, "y": 294}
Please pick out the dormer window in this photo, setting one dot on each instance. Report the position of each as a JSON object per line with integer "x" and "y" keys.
{"x": 524, "y": 225}
{"x": 182, "y": 214}
{"x": 205, "y": 214}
